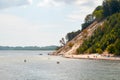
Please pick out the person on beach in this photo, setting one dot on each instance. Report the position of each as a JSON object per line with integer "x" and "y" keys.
{"x": 87, "y": 56}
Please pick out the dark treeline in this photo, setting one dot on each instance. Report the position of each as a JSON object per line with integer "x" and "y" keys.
{"x": 28, "y": 48}
{"x": 110, "y": 7}
{"x": 71, "y": 35}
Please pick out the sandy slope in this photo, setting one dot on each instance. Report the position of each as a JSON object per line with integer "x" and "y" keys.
{"x": 78, "y": 40}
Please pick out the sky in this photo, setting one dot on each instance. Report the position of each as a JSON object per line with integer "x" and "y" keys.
{"x": 41, "y": 22}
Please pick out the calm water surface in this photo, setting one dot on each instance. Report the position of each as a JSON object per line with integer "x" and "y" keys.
{"x": 43, "y": 67}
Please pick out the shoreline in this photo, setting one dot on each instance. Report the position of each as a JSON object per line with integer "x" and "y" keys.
{"x": 91, "y": 57}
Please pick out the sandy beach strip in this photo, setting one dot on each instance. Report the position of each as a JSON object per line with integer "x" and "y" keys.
{"x": 91, "y": 57}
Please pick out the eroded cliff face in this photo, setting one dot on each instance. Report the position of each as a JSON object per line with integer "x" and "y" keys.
{"x": 72, "y": 46}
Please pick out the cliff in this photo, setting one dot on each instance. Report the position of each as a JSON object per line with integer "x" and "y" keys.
{"x": 72, "y": 46}
{"x": 102, "y": 35}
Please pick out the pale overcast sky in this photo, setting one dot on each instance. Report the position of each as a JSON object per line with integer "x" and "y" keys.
{"x": 41, "y": 22}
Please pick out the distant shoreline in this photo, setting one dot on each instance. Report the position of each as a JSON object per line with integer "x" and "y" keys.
{"x": 27, "y": 50}
{"x": 91, "y": 57}
{"x": 35, "y": 48}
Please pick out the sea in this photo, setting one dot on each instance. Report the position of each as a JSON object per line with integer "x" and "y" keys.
{"x": 38, "y": 65}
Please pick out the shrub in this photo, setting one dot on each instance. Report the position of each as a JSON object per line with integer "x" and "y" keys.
{"x": 70, "y": 44}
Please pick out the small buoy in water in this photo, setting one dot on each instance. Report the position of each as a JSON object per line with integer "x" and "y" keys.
{"x": 58, "y": 62}
{"x": 41, "y": 54}
{"x": 25, "y": 60}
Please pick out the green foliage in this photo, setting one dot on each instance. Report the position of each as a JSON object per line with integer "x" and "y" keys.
{"x": 82, "y": 49}
{"x": 117, "y": 47}
{"x": 71, "y": 35}
{"x": 70, "y": 44}
{"x": 111, "y": 48}
{"x": 98, "y": 13}
{"x": 89, "y": 19}
{"x": 110, "y": 7}
{"x": 99, "y": 50}
{"x": 105, "y": 37}
{"x": 85, "y": 25}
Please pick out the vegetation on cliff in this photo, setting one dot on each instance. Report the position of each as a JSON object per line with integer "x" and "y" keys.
{"x": 72, "y": 34}
{"x": 100, "y": 32}
{"x": 107, "y": 36}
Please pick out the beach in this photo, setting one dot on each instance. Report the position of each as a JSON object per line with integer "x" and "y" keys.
{"x": 92, "y": 57}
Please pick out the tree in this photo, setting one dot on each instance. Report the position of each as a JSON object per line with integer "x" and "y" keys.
{"x": 62, "y": 42}
{"x": 115, "y": 6}
{"x": 111, "y": 48}
{"x": 71, "y": 35}
{"x": 89, "y": 18}
{"x": 99, "y": 50}
{"x": 117, "y": 47}
{"x": 110, "y": 7}
{"x": 106, "y": 8}
{"x": 98, "y": 13}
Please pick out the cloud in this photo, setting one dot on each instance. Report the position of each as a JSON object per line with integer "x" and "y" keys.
{"x": 80, "y": 7}
{"x": 74, "y": 17}
{"x": 30, "y": 1}
{"x": 13, "y": 3}
{"x": 85, "y": 7}
{"x": 49, "y": 3}
{"x": 15, "y": 30}
{"x": 79, "y": 15}
{"x": 54, "y": 3}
